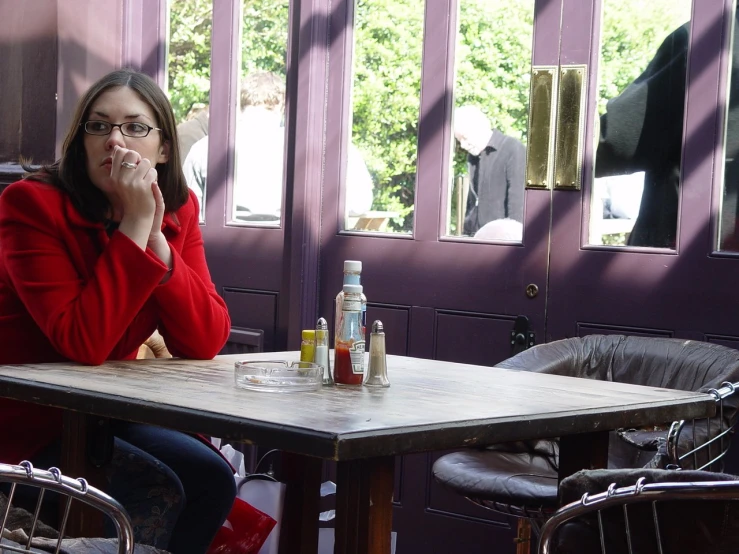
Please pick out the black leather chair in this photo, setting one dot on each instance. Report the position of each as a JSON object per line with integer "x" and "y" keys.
{"x": 654, "y": 510}
{"x": 520, "y": 479}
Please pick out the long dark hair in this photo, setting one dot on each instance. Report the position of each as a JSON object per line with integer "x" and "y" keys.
{"x": 69, "y": 172}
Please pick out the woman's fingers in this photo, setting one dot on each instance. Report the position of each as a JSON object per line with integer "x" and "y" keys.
{"x": 131, "y": 180}
{"x": 142, "y": 171}
{"x": 122, "y": 161}
{"x": 156, "y": 226}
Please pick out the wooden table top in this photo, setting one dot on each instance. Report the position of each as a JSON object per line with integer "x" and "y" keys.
{"x": 430, "y": 405}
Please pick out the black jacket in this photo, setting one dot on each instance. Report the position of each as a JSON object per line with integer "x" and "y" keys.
{"x": 496, "y": 182}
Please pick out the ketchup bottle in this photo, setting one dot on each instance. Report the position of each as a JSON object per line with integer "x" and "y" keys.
{"x": 349, "y": 352}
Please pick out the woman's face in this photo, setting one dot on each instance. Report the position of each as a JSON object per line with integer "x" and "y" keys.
{"x": 121, "y": 105}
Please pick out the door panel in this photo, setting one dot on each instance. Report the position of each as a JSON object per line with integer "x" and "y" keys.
{"x": 441, "y": 533}
{"x": 472, "y": 339}
{"x": 731, "y": 342}
{"x": 584, "y": 329}
{"x": 396, "y": 321}
{"x": 254, "y": 310}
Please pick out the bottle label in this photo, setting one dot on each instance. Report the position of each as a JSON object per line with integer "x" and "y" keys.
{"x": 351, "y": 305}
{"x": 356, "y": 353}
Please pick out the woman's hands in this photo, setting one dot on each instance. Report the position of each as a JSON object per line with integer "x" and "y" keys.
{"x": 138, "y": 202}
{"x": 157, "y": 241}
{"x": 131, "y": 177}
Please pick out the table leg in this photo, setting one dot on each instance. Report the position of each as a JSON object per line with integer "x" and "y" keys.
{"x": 84, "y": 520}
{"x": 364, "y": 506}
{"x": 583, "y": 451}
{"x": 299, "y": 525}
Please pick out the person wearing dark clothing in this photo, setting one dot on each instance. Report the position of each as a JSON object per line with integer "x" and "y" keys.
{"x": 496, "y": 165}
{"x": 642, "y": 131}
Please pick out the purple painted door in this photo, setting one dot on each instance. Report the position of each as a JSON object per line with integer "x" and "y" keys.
{"x": 668, "y": 271}
{"x": 263, "y": 172}
{"x": 440, "y": 292}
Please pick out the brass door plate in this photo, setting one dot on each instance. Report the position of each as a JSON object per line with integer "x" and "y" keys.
{"x": 570, "y": 127}
{"x": 540, "y": 136}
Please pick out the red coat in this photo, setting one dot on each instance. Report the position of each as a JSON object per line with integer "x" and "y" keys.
{"x": 68, "y": 291}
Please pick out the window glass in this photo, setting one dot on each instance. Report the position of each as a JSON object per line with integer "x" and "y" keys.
{"x": 188, "y": 84}
{"x": 380, "y": 172}
{"x": 260, "y": 113}
{"x": 641, "y": 102}
{"x": 728, "y": 229}
{"x": 491, "y": 95}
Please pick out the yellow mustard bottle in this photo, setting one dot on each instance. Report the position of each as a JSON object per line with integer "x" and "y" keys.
{"x": 308, "y": 345}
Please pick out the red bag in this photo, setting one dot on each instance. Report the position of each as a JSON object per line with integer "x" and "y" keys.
{"x": 244, "y": 532}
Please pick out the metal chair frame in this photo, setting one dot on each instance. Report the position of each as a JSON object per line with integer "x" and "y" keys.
{"x": 78, "y": 489}
{"x": 674, "y": 434}
{"x": 641, "y": 493}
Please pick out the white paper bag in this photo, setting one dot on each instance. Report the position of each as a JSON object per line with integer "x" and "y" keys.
{"x": 269, "y": 497}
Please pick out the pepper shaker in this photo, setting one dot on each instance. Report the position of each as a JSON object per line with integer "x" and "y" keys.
{"x": 377, "y": 371}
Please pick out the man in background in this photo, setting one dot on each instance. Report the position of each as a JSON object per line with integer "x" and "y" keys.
{"x": 259, "y": 145}
{"x": 496, "y": 165}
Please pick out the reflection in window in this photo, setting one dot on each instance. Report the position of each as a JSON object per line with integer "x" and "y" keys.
{"x": 491, "y": 90}
{"x": 381, "y": 158}
{"x": 642, "y": 78}
{"x": 260, "y": 119}
{"x": 729, "y": 224}
{"x": 188, "y": 83}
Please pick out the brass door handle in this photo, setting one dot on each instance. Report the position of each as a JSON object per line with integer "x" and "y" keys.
{"x": 540, "y": 135}
{"x": 570, "y": 127}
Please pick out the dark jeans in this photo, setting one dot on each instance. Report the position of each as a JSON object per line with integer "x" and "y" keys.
{"x": 176, "y": 490}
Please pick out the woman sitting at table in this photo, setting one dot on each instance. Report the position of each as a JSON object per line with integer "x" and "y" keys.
{"x": 97, "y": 250}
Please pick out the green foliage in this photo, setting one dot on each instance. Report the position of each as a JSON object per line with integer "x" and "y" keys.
{"x": 632, "y": 32}
{"x": 616, "y": 239}
{"x": 385, "y": 99}
{"x": 264, "y": 36}
{"x": 188, "y": 72}
{"x": 492, "y": 62}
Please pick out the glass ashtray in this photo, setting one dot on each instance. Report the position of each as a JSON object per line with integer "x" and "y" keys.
{"x": 278, "y": 376}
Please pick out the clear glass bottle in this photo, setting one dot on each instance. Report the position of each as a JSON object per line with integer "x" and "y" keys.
{"x": 350, "y": 342}
{"x": 352, "y": 273}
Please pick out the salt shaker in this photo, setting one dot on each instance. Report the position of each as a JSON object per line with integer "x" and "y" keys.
{"x": 377, "y": 370}
{"x": 322, "y": 350}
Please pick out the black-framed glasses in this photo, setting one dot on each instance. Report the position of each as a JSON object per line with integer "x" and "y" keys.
{"x": 134, "y": 129}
